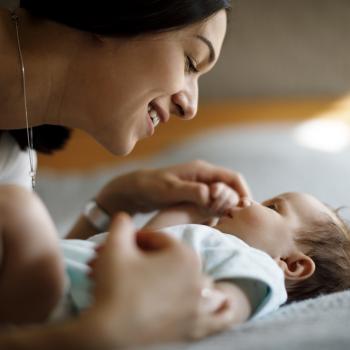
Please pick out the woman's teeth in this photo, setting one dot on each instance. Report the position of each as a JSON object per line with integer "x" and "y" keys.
{"x": 154, "y": 116}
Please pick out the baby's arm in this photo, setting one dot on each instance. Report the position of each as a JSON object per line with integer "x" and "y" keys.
{"x": 177, "y": 215}
{"x": 222, "y": 198}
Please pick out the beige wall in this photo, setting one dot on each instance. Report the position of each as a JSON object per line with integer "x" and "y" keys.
{"x": 282, "y": 48}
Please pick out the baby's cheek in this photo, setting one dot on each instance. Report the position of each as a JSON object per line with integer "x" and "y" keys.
{"x": 253, "y": 218}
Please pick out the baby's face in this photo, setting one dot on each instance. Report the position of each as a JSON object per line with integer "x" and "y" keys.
{"x": 272, "y": 225}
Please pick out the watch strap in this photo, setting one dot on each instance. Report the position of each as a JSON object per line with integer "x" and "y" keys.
{"x": 96, "y": 216}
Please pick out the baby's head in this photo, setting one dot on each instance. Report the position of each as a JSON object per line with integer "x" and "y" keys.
{"x": 306, "y": 238}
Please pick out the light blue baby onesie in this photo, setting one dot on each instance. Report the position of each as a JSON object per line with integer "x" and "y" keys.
{"x": 223, "y": 257}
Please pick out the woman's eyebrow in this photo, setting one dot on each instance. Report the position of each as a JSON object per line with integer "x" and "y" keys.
{"x": 210, "y": 47}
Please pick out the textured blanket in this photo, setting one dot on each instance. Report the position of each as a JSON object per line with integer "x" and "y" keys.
{"x": 317, "y": 324}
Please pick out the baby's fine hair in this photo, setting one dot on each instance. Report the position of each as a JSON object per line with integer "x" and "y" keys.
{"x": 328, "y": 244}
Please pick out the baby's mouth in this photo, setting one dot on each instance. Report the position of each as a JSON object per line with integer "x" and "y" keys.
{"x": 229, "y": 213}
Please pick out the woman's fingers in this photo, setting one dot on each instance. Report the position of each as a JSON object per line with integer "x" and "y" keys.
{"x": 151, "y": 189}
{"x": 203, "y": 172}
{"x": 188, "y": 191}
{"x": 120, "y": 239}
{"x": 122, "y": 234}
{"x": 209, "y": 173}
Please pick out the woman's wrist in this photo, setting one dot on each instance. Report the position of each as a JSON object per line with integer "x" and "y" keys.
{"x": 99, "y": 332}
{"x": 111, "y": 199}
{"x": 121, "y": 194}
{"x": 97, "y": 216}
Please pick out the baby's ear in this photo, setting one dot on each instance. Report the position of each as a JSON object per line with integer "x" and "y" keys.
{"x": 296, "y": 267}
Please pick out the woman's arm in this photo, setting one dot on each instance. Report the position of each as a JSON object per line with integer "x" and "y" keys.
{"x": 72, "y": 334}
{"x": 86, "y": 332}
{"x": 32, "y": 279}
{"x": 147, "y": 190}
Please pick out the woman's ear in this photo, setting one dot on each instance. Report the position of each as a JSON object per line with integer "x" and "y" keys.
{"x": 296, "y": 267}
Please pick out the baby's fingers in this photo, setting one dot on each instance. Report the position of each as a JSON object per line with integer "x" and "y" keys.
{"x": 219, "y": 204}
{"x": 223, "y": 197}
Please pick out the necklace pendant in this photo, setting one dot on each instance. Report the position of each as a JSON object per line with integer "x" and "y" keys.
{"x": 33, "y": 183}
{"x": 32, "y": 175}
{"x": 14, "y": 16}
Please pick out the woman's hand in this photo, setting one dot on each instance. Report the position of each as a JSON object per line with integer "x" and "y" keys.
{"x": 152, "y": 189}
{"x": 148, "y": 290}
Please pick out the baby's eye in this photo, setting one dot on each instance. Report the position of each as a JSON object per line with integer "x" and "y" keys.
{"x": 272, "y": 206}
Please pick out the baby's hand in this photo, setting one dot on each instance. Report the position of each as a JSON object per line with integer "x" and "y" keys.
{"x": 222, "y": 198}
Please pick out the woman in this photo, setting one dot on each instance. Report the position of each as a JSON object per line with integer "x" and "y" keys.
{"x": 115, "y": 70}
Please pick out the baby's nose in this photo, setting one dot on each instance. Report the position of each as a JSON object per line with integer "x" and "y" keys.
{"x": 245, "y": 202}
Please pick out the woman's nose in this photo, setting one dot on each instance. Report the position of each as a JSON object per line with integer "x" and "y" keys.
{"x": 185, "y": 104}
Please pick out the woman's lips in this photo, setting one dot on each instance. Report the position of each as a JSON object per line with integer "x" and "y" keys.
{"x": 150, "y": 129}
{"x": 154, "y": 118}
{"x": 161, "y": 113}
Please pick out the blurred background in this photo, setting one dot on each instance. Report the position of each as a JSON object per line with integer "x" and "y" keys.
{"x": 276, "y": 107}
{"x": 281, "y": 48}
{"x": 293, "y": 53}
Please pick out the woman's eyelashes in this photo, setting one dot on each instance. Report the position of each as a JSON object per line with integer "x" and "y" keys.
{"x": 190, "y": 65}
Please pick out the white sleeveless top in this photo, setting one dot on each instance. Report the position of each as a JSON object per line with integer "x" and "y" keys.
{"x": 14, "y": 163}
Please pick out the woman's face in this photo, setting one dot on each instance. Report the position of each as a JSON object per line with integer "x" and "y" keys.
{"x": 119, "y": 89}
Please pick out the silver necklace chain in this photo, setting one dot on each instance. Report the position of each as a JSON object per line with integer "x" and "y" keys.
{"x": 32, "y": 172}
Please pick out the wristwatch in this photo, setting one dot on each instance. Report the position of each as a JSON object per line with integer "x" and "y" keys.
{"x": 96, "y": 216}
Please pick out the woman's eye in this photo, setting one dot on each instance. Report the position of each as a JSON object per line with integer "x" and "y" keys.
{"x": 190, "y": 65}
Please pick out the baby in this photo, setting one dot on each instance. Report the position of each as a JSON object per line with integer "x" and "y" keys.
{"x": 306, "y": 238}
{"x": 291, "y": 243}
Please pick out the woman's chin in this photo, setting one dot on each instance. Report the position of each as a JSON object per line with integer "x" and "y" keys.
{"x": 119, "y": 147}
{"x": 117, "y": 144}
{"x": 123, "y": 150}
